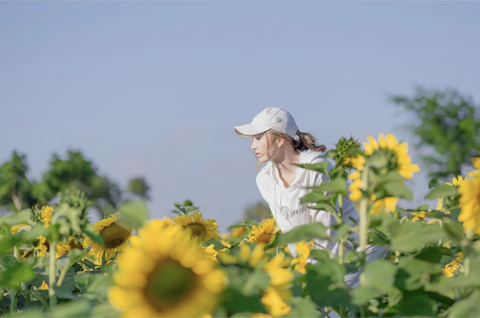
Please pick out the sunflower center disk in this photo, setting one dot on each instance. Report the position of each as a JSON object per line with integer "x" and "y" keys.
{"x": 169, "y": 284}
{"x": 114, "y": 235}
{"x": 197, "y": 230}
{"x": 386, "y": 158}
{"x": 264, "y": 238}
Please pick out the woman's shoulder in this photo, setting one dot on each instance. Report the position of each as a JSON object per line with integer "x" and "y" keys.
{"x": 310, "y": 156}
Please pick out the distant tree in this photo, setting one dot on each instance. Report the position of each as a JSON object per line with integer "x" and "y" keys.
{"x": 74, "y": 175}
{"x": 77, "y": 173}
{"x": 257, "y": 212}
{"x": 15, "y": 188}
{"x": 448, "y": 122}
{"x": 138, "y": 187}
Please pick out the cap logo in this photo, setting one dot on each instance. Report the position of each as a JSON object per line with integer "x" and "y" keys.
{"x": 279, "y": 120}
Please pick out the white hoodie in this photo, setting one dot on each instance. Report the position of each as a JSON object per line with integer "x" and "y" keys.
{"x": 285, "y": 202}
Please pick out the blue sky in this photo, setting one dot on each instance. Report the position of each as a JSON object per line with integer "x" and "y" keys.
{"x": 155, "y": 88}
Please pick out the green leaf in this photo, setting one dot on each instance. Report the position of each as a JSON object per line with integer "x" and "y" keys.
{"x": 409, "y": 237}
{"x": 376, "y": 279}
{"x": 431, "y": 254}
{"x": 313, "y": 197}
{"x": 78, "y": 308}
{"x": 326, "y": 285}
{"x": 68, "y": 284}
{"x": 441, "y": 190}
{"x": 442, "y": 283}
{"x": 397, "y": 189}
{"x": 319, "y": 254}
{"x": 89, "y": 231}
{"x": 133, "y": 214}
{"x": 321, "y": 167}
{"x": 236, "y": 302}
{"x": 303, "y": 233}
{"x": 337, "y": 185}
{"x": 414, "y": 273}
{"x": 256, "y": 282}
{"x": 453, "y": 230}
{"x": 36, "y": 231}
{"x": 302, "y": 307}
{"x": 417, "y": 303}
{"x": 17, "y": 218}
{"x": 15, "y": 273}
{"x": 94, "y": 286}
{"x": 217, "y": 245}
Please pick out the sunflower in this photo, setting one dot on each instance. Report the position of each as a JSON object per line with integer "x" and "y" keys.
{"x": 211, "y": 252}
{"x": 46, "y": 215}
{"x": 244, "y": 256}
{"x": 43, "y": 246}
{"x": 418, "y": 216}
{"x": 65, "y": 247}
{"x": 166, "y": 274}
{"x": 470, "y": 203}
{"x": 238, "y": 231}
{"x": 275, "y": 296}
{"x": 62, "y": 247}
{"x": 397, "y": 160}
{"x": 264, "y": 233}
{"x": 303, "y": 251}
{"x": 451, "y": 267}
{"x": 204, "y": 230}
{"x": 44, "y": 286}
{"x": 114, "y": 237}
{"x": 388, "y": 204}
{"x": 456, "y": 181}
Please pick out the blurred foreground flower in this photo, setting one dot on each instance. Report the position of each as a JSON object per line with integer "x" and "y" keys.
{"x": 303, "y": 251}
{"x": 470, "y": 200}
{"x": 166, "y": 274}
{"x": 114, "y": 236}
{"x": 204, "y": 230}
{"x": 46, "y": 215}
{"x": 275, "y": 296}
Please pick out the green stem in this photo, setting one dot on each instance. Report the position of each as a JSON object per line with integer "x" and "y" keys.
{"x": 363, "y": 212}
{"x": 14, "y": 291}
{"x": 363, "y": 312}
{"x": 103, "y": 262}
{"x": 27, "y": 296}
{"x": 13, "y": 300}
{"x": 36, "y": 296}
{"x": 51, "y": 274}
{"x": 340, "y": 205}
{"x": 342, "y": 311}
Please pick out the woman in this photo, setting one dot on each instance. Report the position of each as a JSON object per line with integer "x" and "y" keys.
{"x": 276, "y": 141}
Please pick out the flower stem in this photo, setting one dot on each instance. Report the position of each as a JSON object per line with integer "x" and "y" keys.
{"x": 36, "y": 296}
{"x": 103, "y": 262}
{"x": 51, "y": 274}
{"x": 13, "y": 300}
{"x": 14, "y": 291}
{"x": 363, "y": 212}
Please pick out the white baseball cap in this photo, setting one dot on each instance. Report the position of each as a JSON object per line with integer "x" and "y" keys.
{"x": 270, "y": 118}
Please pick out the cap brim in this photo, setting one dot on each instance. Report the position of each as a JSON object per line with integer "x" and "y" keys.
{"x": 246, "y": 131}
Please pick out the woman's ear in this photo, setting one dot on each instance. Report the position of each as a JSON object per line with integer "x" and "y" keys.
{"x": 280, "y": 142}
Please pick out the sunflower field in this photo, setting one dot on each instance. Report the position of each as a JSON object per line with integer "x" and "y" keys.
{"x": 55, "y": 263}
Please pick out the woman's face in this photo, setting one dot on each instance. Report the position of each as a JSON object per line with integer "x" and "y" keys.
{"x": 260, "y": 147}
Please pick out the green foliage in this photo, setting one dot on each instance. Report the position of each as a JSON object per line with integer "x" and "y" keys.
{"x": 139, "y": 187}
{"x": 15, "y": 188}
{"x": 446, "y": 121}
{"x": 257, "y": 212}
